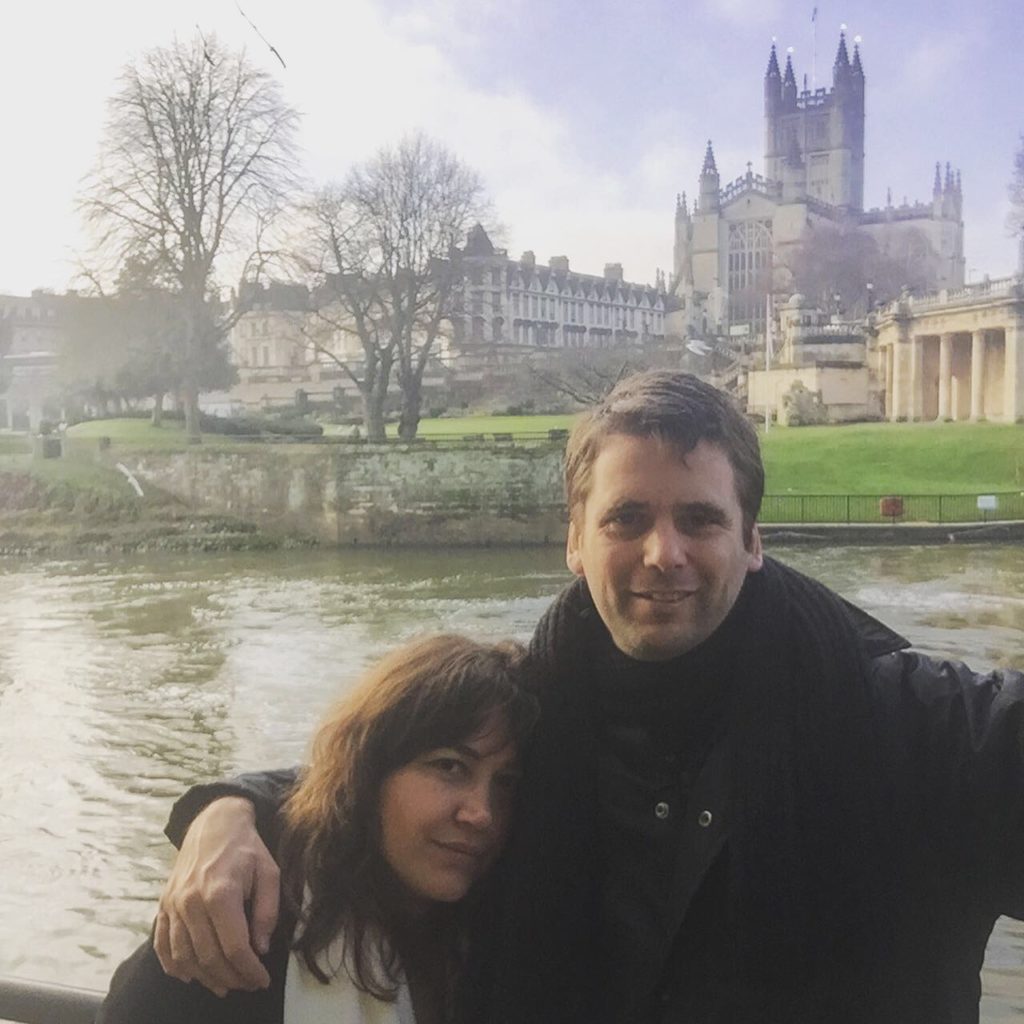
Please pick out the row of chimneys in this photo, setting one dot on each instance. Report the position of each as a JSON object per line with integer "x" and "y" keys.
{"x": 560, "y": 265}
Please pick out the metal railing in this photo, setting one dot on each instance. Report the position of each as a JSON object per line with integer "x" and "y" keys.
{"x": 889, "y": 508}
{"x": 33, "y": 1002}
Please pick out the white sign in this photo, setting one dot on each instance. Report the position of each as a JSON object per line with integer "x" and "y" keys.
{"x": 739, "y": 330}
{"x": 987, "y": 503}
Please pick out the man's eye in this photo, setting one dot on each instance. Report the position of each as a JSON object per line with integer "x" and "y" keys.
{"x": 624, "y": 520}
{"x": 690, "y": 524}
{"x": 694, "y": 522}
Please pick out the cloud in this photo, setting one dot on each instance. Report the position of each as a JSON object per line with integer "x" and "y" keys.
{"x": 935, "y": 60}
{"x": 745, "y": 12}
{"x": 404, "y": 76}
{"x": 363, "y": 76}
{"x": 452, "y": 24}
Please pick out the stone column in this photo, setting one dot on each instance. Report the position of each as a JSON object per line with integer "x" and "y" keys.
{"x": 887, "y": 355}
{"x": 898, "y": 409}
{"x": 916, "y": 410}
{"x": 1013, "y": 396}
{"x": 945, "y": 375}
{"x": 977, "y": 375}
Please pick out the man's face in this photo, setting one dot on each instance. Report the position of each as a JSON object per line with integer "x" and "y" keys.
{"x": 659, "y": 541}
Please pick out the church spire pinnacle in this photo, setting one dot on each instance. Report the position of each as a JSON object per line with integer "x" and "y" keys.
{"x": 773, "y": 65}
{"x": 709, "y": 197}
{"x": 857, "y": 67}
{"x": 709, "y": 162}
{"x": 789, "y": 83}
{"x": 842, "y": 57}
{"x": 789, "y": 78}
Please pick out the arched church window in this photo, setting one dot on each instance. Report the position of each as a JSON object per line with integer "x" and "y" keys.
{"x": 749, "y": 275}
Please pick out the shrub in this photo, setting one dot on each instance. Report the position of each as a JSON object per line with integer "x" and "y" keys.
{"x": 242, "y": 425}
{"x": 803, "y": 406}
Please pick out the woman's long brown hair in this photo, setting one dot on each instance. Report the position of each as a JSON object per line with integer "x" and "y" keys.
{"x": 431, "y": 693}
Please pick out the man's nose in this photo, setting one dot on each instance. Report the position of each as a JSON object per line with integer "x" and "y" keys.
{"x": 664, "y": 547}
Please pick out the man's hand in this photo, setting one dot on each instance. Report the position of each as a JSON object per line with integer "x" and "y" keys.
{"x": 201, "y": 929}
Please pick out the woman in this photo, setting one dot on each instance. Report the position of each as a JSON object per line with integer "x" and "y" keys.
{"x": 403, "y": 809}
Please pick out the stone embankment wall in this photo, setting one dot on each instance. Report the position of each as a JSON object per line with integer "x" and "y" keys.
{"x": 414, "y": 495}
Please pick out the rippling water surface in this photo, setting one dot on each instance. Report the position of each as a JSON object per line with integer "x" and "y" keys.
{"x": 122, "y": 681}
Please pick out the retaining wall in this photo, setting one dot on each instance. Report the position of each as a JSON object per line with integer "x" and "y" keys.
{"x": 381, "y": 496}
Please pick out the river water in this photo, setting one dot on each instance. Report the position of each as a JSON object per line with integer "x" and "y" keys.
{"x": 123, "y": 680}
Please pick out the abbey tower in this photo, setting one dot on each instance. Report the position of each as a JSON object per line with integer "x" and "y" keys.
{"x": 734, "y": 245}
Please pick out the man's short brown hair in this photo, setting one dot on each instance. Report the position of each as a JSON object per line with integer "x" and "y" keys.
{"x": 675, "y": 407}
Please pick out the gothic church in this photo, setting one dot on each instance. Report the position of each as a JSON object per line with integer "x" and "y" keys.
{"x": 731, "y": 247}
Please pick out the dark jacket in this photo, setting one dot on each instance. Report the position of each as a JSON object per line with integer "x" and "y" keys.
{"x": 936, "y": 747}
{"x": 140, "y": 992}
{"x": 915, "y": 784}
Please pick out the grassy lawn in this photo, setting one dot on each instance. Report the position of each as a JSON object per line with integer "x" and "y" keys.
{"x": 490, "y": 425}
{"x": 91, "y": 475}
{"x": 866, "y": 458}
{"x": 900, "y": 458}
{"x": 15, "y": 444}
{"x": 132, "y": 431}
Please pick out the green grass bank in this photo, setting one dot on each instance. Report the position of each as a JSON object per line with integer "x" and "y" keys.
{"x": 865, "y": 458}
{"x": 64, "y": 506}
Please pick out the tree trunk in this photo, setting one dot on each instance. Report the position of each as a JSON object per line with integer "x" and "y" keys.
{"x": 409, "y": 422}
{"x": 373, "y": 415}
{"x": 158, "y": 409}
{"x": 192, "y": 433}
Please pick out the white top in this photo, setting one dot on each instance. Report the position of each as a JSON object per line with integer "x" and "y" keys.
{"x": 308, "y": 1001}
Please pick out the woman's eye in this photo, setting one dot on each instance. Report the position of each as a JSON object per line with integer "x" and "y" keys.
{"x": 448, "y": 765}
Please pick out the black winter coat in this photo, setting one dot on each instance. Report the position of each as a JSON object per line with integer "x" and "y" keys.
{"x": 950, "y": 854}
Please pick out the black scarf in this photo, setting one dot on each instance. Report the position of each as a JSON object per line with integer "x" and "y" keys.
{"x": 812, "y": 853}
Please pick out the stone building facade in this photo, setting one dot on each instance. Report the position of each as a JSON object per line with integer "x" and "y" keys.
{"x": 32, "y": 330}
{"x": 507, "y": 308}
{"x": 954, "y": 355}
{"x": 828, "y": 356}
{"x": 732, "y": 245}
{"x": 505, "y": 312}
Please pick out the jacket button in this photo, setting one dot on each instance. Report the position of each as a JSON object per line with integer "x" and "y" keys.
{"x": 704, "y": 819}
{"x": 661, "y": 809}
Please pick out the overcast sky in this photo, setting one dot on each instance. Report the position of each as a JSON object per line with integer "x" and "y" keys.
{"x": 584, "y": 118}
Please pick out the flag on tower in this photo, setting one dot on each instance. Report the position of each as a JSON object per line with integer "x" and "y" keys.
{"x": 814, "y": 14}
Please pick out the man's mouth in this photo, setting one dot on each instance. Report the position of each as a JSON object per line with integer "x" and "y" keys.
{"x": 663, "y": 596}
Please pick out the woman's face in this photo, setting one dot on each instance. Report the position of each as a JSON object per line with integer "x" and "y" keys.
{"x": 445, "y": 816}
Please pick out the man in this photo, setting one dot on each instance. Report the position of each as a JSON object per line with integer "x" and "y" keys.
{"x": 747, "y": 800}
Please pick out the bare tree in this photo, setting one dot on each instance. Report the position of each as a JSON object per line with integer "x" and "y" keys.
{"x": 834, "y": 265}
{"x": 349, "y": 301}
{"x": 388, "y": 259}
{"x": 591, "y": 376}
{"x": 1016, "y": 217}
{"x": 195, "y": 162}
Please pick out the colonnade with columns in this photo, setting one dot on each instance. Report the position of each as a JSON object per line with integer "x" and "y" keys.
{"x": 971, "y": 374}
